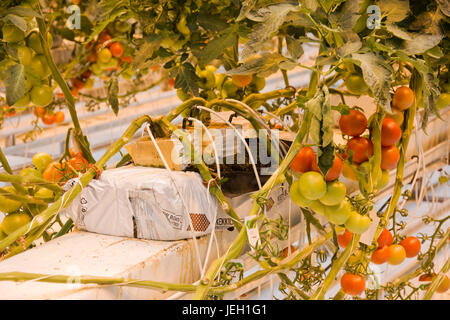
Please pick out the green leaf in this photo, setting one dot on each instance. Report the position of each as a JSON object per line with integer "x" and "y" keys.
{"x": 215, "y": 47}
{"x": 145, "y": 51}
{"x": 23, "y": 12}
{"x": 347, "y": 15}
{"x": 15, "y": 83}
{"x": 271, "y": 18}
{"x": 187, "y": 79}
{"x": 341, "y": 108}
{"x": 113, "y": 95}
{"x": 107, "y": 19}
{"x": 294, "y": 47}
{"x": 19, "y": 22}
{"x": 421, "y": 43}
{"x": 246, "y": 7}
{"x": 394, "y": 10}
{"x": 264, "y": 66}
{"x": 377, "y": 75}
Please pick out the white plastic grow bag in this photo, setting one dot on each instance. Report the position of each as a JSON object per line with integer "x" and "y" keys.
{"x": 142, "y": 202}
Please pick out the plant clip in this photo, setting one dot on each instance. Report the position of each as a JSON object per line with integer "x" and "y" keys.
{"x": 98, "y": 172}
{"x": 234, "y": 115}
{"x": 186, "y": 121}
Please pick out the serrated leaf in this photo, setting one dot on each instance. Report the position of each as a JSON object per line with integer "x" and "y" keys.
{"x": 246, "y": 7}
{"x": 19, "y": 22}
{"x": 145, "y": 51}
{"x": 23, "y": 12}
{"x": 377, "y": 75}
{"x": 113, "y": 95}
{"x": 271, "y": 19}
{"x": 15, "y": 83}
{"x": 349, "y": 47}
{"x": 264, "y": 66}
{"x": 187, "y": 79}
{"x": 215, "y": 47}
{"x": 394, "y": 10}
{"x": 294, "y": 47}
{"x": 421, "y": 43}
{"x": 347, "y": 15}
{"x": 399, "y": 32}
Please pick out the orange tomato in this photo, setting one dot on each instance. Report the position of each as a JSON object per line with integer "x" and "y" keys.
{"x": 353, "y": 124}
{"x": 344, "y": 239}
{"x": 385, "y": 238}
{"x": 39, "y": 111}
{"x": 48, "y": 118}
{"x": 241, "y": 80}
{"x": 397, "y": 254}
{"x": 381, "y": 255}
{"x": 55, "y": 172}
{"x": 362, "y": 149}
{"x": 403, "y": 98}
{"x": 353, "y": 284}
{"x": 389, "y": 157}
{"x": 303, "y": 160}
{"x": 116, "y": 49}
{"x": 59, "y": 117}
{"x": 411, "y": 245}
{"x": 390, "y": 132}
{"x": 335, "y": 170}
{"x": 78, "y": 162}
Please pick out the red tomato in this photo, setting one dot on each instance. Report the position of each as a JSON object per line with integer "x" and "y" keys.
{"x": 116, "y": 49}
{"x": 303, "y": 160}
{"x": 354, "y": 123}
{"x": 128, "y": 59}
{"x": 390, "y": 132}
{"x": 389, "y": 157}
{"x": 381, "y": 255}
{"x": 39, "y": 111}
{"x": 171, "y": 82}
{"x": 48, "y": 118}
{"x": 59, "y": 117}
{"x": 104, "y": 36}
{"x": 426, "y": 277}
{"x": 77, "y": 83}
{"x": 353, "y": 284}
{"x": 411, "y": 245}
{"x": 86, "y": 74}
{"x": 385, "y": 238}
{"x": 362, "y": 149}
{"x": 335, "y": 170}
{"x": 344, "y": 239}
{"x": 285, "y": 252}
{"x": 403, "y": 98}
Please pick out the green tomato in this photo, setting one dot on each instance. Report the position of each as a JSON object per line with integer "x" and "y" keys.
{"x": 312, "y": 185}
{"x": 42, "y": 95}
{"x": 13, "y": 221}
{"x": 257, "y": 84}
{"x": 207, "y": 79}
{"x": 340, "y": 213}
{"x": 317, "y": 207}
{"x": 8, "y": 205}
{"x": 335, "y": 193}
{"x": 22, "y": 103}
{"x": 34, "y": 42}
{"x": 12, "y": 34}
{"x": 443, "y": 101}
{"x": 25, "y": 55}
{"x": 182, "y": 95}
{"x": 97, "y": 69}
{"x": 41, "y": 160}
{"x": 229, "y": 89}
{"x": 30, "y": 172}
{"x": 44, "y": 194}
{"x": 220, "y": 77}
{"x": 357, "y": 223}
{"x": 384, "y": 180}
{"x": 39, "y": 66}
{"x": 121, "y": 26}
{"x": 297, "y": 197}
{"x": 356, "y": 84}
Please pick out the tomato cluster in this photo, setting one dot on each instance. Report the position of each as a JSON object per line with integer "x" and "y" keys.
{"x": 104, "y": 56}
{"x": 61, "y": 171}
{"x": 219, "y": 85}
{"x": 48, "y": 116}
{"x": 324, "y": 195}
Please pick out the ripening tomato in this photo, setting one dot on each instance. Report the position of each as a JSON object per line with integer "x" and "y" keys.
{"x": 362, "y": 149}
{"x": 303, "y": 160}
{"x": 241, "y": 80}
{"x": 116, "y": 49}
{"x": 353, "y": 284}
{"x": 389, "y": 157}
{"x": 48, "y": 118}
{"x": 390, "y": 132}
{"x": 348, "y": 171}
{"x": 39, "y": 111}
{"x": 55, "y": 172}
{"x": 353, "y": 124}
{"x": 444, "y": 285}
{"x": 59, "y": 117}
{"x": 335, "y": 170}
{"x": 397, "y": 116}
{"x": 104, "y": 55}
{"x": 344, "y": 239}
{"x": 385, "y": 238}
{"x": 312, "y": 185}
{"x": 403, "y": 98}
{"x": 411, "y": 245}
{"x": 397, "y": 254}
{"x": 78, "y": 162}
{"x": 381, "y": 255}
